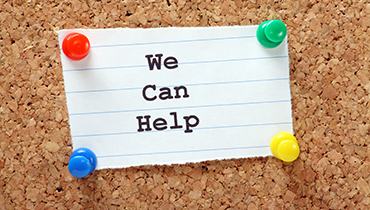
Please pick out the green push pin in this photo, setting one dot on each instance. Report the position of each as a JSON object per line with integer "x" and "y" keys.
{"x": 271, "y": 33}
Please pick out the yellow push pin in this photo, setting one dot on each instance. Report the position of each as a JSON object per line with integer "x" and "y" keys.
{"x": 285, "y": 147}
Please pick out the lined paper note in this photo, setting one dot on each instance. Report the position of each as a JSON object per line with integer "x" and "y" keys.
{"x": 216, "y": 93}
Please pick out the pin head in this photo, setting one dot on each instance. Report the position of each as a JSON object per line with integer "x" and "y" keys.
{"x": 76, "y": 46}
{"x": 284, "y": 146}
{"x": 79, "y": 166}
{"x": 271, "y": 33}
{"x": 82, "y": 162}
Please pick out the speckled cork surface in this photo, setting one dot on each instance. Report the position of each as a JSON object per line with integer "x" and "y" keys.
{"x": 329, "y": 53}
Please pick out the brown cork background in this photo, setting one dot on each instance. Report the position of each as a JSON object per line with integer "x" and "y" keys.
{"x": 329, "y": 52}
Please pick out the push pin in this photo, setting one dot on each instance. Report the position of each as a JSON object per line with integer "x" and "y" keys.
{"x": 82, "y": 162}
{"x": 285, "y": 147}
{"x": 76, "y": 46}
{"x": 271, "y": 33}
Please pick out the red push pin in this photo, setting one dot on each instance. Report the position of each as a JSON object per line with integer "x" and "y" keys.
{"x": 76, "y": 46}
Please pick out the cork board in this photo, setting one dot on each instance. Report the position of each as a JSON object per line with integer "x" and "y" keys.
{"x": 329, "y": 52}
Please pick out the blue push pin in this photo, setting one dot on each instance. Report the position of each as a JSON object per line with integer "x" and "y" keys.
{"x": 82, "y": 162}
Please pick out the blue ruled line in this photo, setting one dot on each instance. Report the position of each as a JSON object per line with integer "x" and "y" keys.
{"x": 233, "y": 60}
{"x": 173, "y": 42}
{"x": 183, "y": 107}
{"x": 106, "y": 68}
{"x": 184, "y": 151}
{"x": 174, "y": 130}
{"x": 198, "y": 84}
{"x": 184, "y": 63}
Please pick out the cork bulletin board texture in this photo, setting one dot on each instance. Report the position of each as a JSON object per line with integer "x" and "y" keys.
{"x": 329, "y": 68}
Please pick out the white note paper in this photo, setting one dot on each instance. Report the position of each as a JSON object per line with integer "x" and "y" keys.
{"x": 233, "y": 95}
